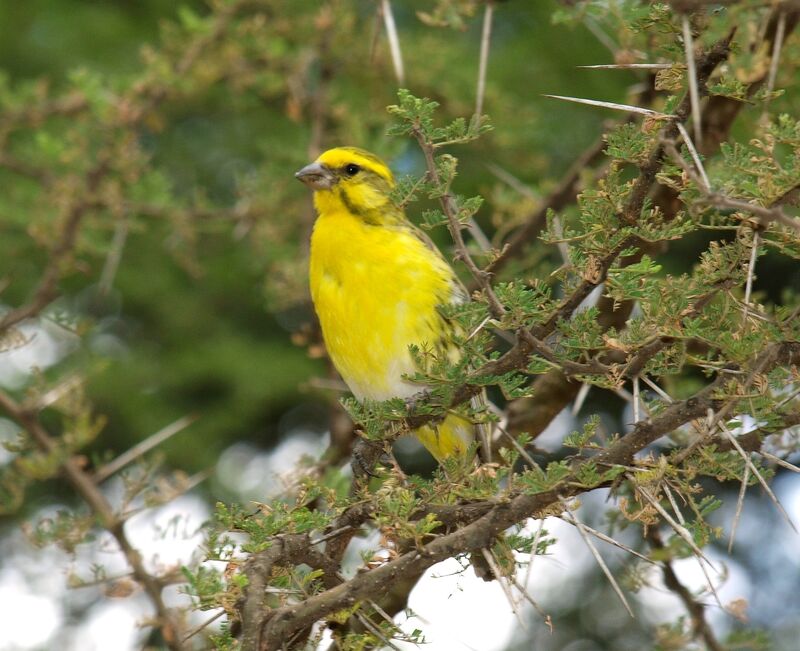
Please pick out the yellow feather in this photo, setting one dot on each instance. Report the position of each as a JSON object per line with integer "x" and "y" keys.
{"x": 377, "y": 287}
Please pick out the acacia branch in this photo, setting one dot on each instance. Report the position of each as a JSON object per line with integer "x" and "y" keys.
{"x": 46, "y": 290}
{"x": 565, "y": 193}
{"x": 700, "y": 626}
{"x": 487, "y": 520}
{"x": 765, "y": 215}
{"x": 87, "y": 489}
{"x": 555, "y": 390}
{"x": 451, "y": 210}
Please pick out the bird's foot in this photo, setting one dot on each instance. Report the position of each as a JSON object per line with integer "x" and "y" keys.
{"x": 418, "y": 398}
{"x": 367, "y": 455}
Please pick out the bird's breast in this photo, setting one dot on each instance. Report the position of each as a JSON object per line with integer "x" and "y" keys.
{"x": 376, "y": 291}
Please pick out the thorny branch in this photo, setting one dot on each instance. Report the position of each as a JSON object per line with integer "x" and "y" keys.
{"x": 479, "y": 525}
{"x": 132, "y": 107}
{"x": 87, "y": 488}
{"x": 697, "y": 611}
{"x": 555, "y": 390}
{"x": 451, "y": 210}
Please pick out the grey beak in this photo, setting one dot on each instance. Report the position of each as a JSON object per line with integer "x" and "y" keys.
{"x": 316, "y": 176}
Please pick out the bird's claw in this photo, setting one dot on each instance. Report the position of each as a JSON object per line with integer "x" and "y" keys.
{"x": 412, "y": 401}
{"x": 366, "y": 455}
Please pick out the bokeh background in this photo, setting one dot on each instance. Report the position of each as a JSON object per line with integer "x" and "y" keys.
{"x": 207, "y": 315}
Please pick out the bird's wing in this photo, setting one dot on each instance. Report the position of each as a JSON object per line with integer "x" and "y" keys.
{"x": 459, "y": 295}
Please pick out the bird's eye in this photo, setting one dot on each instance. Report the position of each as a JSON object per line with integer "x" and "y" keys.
{"x": 352, "y": 169}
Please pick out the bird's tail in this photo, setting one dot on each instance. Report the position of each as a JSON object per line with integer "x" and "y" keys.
{"x": 450, "y": 437}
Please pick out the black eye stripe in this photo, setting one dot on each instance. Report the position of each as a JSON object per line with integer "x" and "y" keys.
{"x": 352, "y": 169}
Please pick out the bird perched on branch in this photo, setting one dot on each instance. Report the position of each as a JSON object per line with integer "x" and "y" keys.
{"x": 378, "y": 284}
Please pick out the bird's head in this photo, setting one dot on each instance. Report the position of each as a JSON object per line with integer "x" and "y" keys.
{"x": 353, "y": 180}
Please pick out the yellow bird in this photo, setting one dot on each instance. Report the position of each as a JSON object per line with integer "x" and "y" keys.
{"x": 378, "y": 284}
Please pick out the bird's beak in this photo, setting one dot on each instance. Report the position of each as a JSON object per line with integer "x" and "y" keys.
{"x": 316, "y": 176}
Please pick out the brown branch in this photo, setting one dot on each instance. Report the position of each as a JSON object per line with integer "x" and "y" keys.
{"x": 491, "y": 519}
{"x": 646, "y": 180}
{"x": 765, "y": 215}
{"x": 33, "y": 115}
{"x": 86, "y": 487}
{"x": 47, "y": 288}
{"x": 290, "y": 549}
{"x": 555, "y": 390}
{"x": 480, "y": 533}
{"x": 564, "y": 194}
{"x": 26, "y": 169}
{"x": 451, "y": 210}
{"x": 696, "y": 610}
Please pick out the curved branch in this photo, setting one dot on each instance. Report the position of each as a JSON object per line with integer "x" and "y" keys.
{"x": 488, "y": 520}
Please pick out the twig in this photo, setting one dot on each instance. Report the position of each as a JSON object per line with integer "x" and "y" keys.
{"x": 767, "y": 215}
{"x": 718, "y": 200}
{"x": 761, "y": 363}
{"x": 522, "y": 451}
{"x": 450, "y": 209}
{"x": 97, "y": 502}
{"x": 143, "y": 447}
{"x": 679, "y": 529}
{"x": 376, "y": 631}
{"x": 682, "y": 521}
{"x": 203, "y": 626}
{"x": 331, "y": 534}
{"x": 565, "y": 193}
{"x": 792, "y": 395}
{"x": 696, "y": 609}
{"x": 493, "y": 565}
